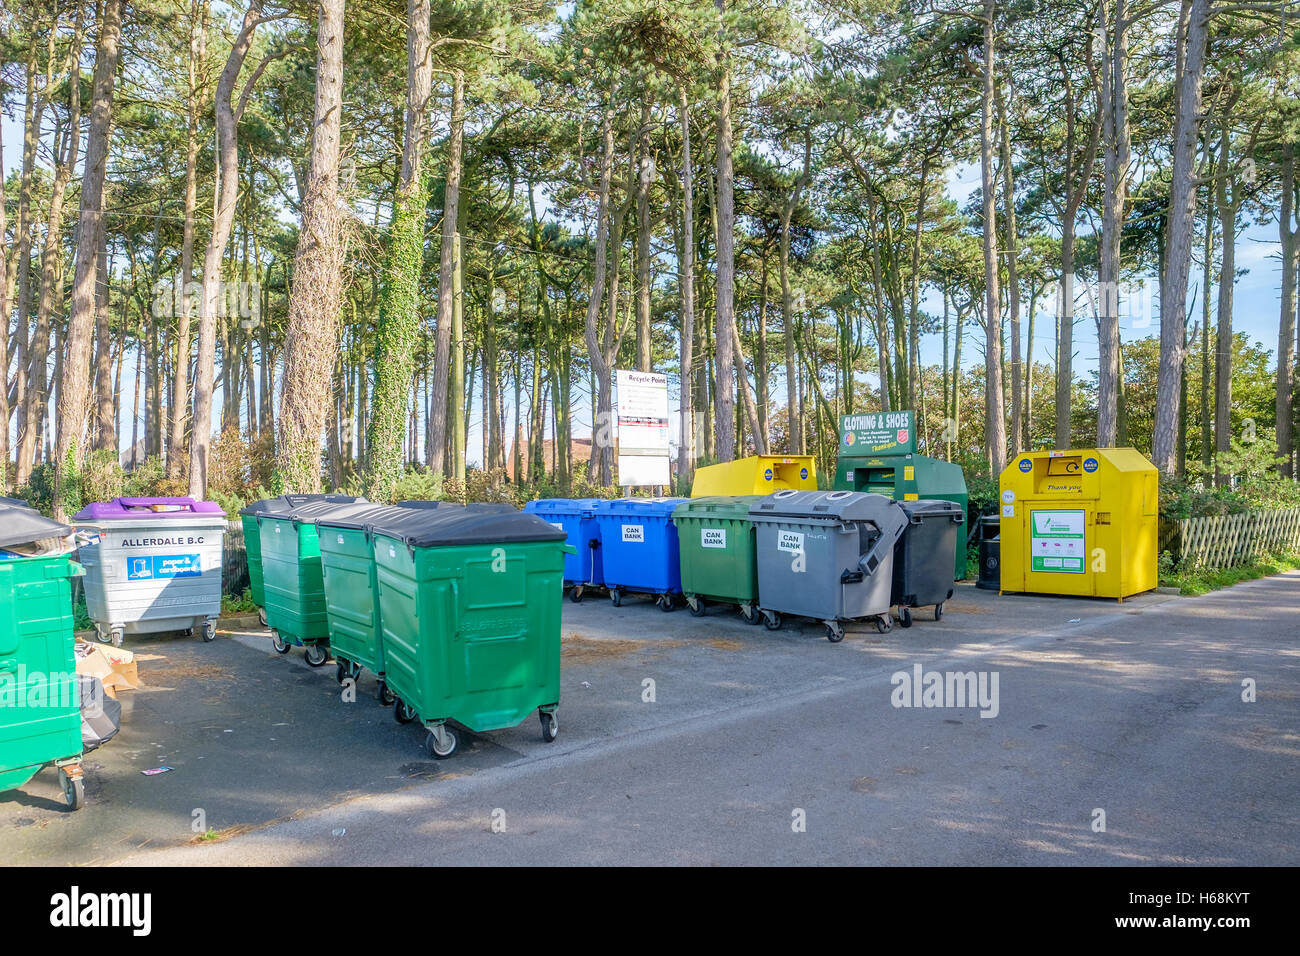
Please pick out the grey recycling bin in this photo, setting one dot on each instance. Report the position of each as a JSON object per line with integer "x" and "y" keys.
{"x": 925, "y": 556}
{"x": 827, "y": 555}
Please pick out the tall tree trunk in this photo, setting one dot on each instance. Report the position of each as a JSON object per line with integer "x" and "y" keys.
{"x": 1207, "y": 285}
{"x": 446, "y": 272}
{"x": 1193, "y": 30}
{"x": 724, "y": 338}
{"x": 602, "y": 423}
{"x": 311, "y": 334}
{"x": 74, "y": 390}
{"x": 995, "y": 429}
{"x": 4, "y": 333}
{"x": 688, "y": 451}
{"x": 398, "y": 332}
{"x": 1013, "y": 279}
{"x": 1289, "y": 233}
{"x": 105, "y": 414}
{"x": 1228, "y": 203}
{"x": 226, "y": 195}
{"x": 645, "y": 176}
{"x": 1115, "y": 137}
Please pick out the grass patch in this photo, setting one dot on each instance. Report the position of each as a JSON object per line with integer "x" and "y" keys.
{"x": 1212, "y": 579}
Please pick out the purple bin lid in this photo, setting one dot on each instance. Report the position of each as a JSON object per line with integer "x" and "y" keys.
{"x": 125, "y": 508}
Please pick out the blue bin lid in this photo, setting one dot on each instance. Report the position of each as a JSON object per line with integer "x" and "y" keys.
{"x": 563, "y": 506}
{"x": 428, "y": 528}
{"x": 641, "y": 507}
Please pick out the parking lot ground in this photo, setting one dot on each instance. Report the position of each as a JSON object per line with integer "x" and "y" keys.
{"x": 703, "y": 740}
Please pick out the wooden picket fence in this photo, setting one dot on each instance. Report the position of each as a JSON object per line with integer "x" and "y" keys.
{"x": 1226, "y": 541}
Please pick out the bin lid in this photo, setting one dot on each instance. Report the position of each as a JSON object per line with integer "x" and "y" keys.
{"x": 562, "y": 506}
{"x": 845, "y": 505}
{"x": 932, "y": 508}
{"x": 428, "y": 528}
{"x": 420, "y": 503}
{"x": 309, "y": 512}
{"x": 21, "y": 526}
{"x": 644, "y": 507}
{"x": 286, "y": 503}
{"x": 125, "y": 509}
{"x": 717, "y": 506}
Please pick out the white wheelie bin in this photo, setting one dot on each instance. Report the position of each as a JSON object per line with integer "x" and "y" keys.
{"x": 152, "y": 565}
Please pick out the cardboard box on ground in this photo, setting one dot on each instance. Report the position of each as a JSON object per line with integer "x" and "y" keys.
{"x": 115, "y": 667}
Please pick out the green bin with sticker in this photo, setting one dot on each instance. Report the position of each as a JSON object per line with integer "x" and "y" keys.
{"x": 716, "y": 545}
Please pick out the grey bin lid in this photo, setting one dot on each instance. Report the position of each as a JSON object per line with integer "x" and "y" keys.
{"x": 932, "y": 508}
{"x": 313, "y": 511}
{"x": 446, "y": 526}
{"x": 366, "y": 517}
{"x": 844, "y": 505}
{"x": 20, "y": 524}
{"x": 285, "y": 504}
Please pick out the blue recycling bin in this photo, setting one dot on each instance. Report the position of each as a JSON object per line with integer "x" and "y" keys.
{"x": 576, "y": 517}
{"x": 639, "y": 551}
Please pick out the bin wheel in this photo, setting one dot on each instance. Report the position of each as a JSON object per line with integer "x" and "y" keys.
{"x": 104, "y": 637}
{"x": 278, "y": 642}
{"x": 938, "y": 611}
{"x": 386, "y": 696}
{"x": 74, "y": 790}
{"x": 697, "y": 606}
{"x": 575, "y": 594}
{"x": 750, "y": 614}
{"x": 116, "y": 637}
{"x": 261, "y": 616}
{"x": 884, "y": 624}
{"x": 772, "y": 620}
{"x": 550, "y": 726}
{"x": 207, "y": 631}
{"x": 339, "y": 674}
{"x": 616, "y": 597}
{"x": 316, "y": 654}
{"x": 905, "y": 616}
{"x": 402, "y": 713}
{"x": 834, "y": 632}
{"x": 441, "y": 742}
{"x": 667, "y": 602}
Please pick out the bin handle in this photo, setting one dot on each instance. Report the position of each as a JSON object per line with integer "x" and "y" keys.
{"x": 570, "y": 549}
{"x": 851, "y": 577}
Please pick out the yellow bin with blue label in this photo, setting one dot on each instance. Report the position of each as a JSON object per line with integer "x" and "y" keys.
{"x": 1080, "y": 522}
{"x": 756, "y": 475}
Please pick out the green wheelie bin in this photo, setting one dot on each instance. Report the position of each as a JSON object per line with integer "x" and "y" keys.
{"x": 293, "y": 581}
{"x": 716, "y": 541}
{"x": 253, "y": 543}
{"x": 40, "y": 696}
{"x": 469, "y": 610}
{"x": 352, "y": 591}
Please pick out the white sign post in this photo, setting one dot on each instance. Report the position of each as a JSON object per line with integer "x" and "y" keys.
{"x": 642, "y": 416}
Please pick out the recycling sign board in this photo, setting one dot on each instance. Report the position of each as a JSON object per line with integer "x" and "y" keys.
{"x": 1056, "y": 543}
{"x": 878, "y": 433}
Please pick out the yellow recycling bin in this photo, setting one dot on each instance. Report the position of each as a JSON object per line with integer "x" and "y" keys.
{"x": 1080, "y": 522}
{"x": 756, "y": 475}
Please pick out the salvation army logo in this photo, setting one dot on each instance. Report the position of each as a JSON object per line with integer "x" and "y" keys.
{"x": 902, "y": 436}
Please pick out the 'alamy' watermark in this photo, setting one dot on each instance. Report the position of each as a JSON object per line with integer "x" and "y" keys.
{"x": 243, "y": 300}
{"x": 955, "y": 689}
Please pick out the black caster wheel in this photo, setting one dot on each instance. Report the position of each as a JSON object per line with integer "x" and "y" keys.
{"x": 575, "y": 594}
{"x": 667, "y": 602}
{"x": 340, "y": 674}
{"x": 277, "y": 642}
{"x": 616, "y": 597}
{"x": 772, "y": 621}
{"x": 316, "y": 654}
{"x": 835, "y": 632}
{"x": 386, "y": 696}
{"x": 104, "y": 637}
{"x": 441, "y": 743}
{"x": 697, "y": 607}
{"x": 751, "y": 615}
{"x": 402, "y": 713}
{"x": 905, "y": 616}
{"x": 938, "y": 611}
{"x": 884, "y": 624}
{"x": 550, "y": 727}
{"x": 74, "y": 790}
{"x": 261, "y": 616}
